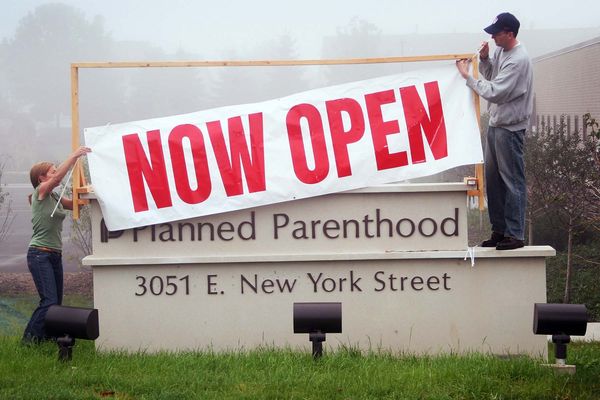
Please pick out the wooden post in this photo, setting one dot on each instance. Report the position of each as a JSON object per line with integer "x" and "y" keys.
{"x": 479, "y": 175}
{"x": 267, "y": 63}
{"x": 75, "y": 137}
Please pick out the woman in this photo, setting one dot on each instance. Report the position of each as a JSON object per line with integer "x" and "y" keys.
{"x": 44, "y": 257}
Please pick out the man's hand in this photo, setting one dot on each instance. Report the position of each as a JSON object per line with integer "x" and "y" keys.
{"x": 463, "y": 67}
{"x": 484, "y": 51}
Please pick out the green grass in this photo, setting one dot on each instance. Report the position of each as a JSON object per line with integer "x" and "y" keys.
{"x": 15, "y": 311}
{"x": 35, "y": 373}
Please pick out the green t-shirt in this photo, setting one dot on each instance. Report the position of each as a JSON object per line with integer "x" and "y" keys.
{"x": 47, "y": 230}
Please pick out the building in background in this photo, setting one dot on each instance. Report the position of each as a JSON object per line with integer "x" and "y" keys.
{"x": 567, "y": 86}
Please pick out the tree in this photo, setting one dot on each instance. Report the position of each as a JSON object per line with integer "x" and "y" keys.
{"x": 240, "y": 85}
{"x": 81, "y": 233}
{"x": 563, "y": 184}
{"x": 591, "y": 123}
{"x": 359, "y": 38}
{"x": 283, "y": 81}
{"x": 537, "y": 174}
{"x": 81, "y": 229}
{"x": 37, "y": 60}
{"x": 236, "y": 85}
{"x": 158, "y": 92}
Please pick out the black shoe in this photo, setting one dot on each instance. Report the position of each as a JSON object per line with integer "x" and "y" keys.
{"x": 494, "y": 240}
{"x": 510, "y": 244}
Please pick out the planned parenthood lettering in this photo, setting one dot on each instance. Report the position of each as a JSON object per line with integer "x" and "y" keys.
{"x": 373, "y": 225}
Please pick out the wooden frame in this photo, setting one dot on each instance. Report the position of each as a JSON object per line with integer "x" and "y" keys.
{"x": 79, "y": 183}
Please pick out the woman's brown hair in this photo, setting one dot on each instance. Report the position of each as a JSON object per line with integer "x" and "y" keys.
{"x": 38, "y": 170}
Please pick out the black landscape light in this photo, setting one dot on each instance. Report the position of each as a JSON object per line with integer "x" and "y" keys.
{"x": 317, "y": 319}
{"x": 561, "y": 321}
{"x": 70, "y": 323}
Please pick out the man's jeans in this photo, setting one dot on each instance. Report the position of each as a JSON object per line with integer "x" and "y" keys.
{"x": 47, "y": 272}
{"x": 505, "y": 181}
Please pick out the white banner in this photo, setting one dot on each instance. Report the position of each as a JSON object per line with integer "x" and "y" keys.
{"x": 312, "y": 143}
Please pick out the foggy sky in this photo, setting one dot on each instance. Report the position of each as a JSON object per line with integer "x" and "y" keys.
{"x": 216, "y": 30}
{"x": 212, "y": 28}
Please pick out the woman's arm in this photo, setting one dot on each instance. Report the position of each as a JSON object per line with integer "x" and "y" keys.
{"x": 54, "y": 179}
{"x": 67, "y": 203}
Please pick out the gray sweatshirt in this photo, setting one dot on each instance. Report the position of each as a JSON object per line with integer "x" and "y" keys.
{"x": 508, "y": 87}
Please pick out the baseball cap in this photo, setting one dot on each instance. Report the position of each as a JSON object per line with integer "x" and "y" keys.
{"x": 504, "y": 22}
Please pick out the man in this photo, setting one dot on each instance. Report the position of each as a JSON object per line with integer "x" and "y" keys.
{"x": 508, "y": 89}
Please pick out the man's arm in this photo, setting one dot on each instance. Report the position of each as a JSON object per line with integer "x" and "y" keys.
{"x": 503, "y": 88}
{"x": 485, "y": 67}
{"x": 486, "y": 64}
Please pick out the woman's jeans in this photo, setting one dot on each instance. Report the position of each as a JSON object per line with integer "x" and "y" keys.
{"x": 505, "y": 181}
{"x": 47, "y": 272}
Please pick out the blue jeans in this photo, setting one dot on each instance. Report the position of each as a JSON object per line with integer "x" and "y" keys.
{"x": 505, "y": 181}
{"x": 47, "y": 272}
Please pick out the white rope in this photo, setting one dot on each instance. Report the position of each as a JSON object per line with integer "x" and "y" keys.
{"x": 471, "y": 253}
{"x": 478, "y": 50}
{"x": 63, "y": 190}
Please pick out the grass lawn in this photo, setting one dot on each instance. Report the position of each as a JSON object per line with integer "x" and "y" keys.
{"x": 35, "y": 373}
{"x": 15, "y": 311}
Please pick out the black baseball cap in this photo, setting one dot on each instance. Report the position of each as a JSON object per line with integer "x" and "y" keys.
{"x": 504, "y": 22}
